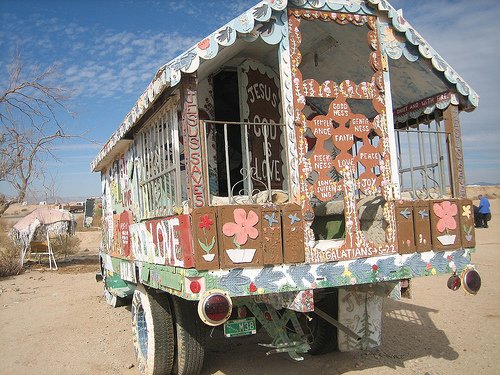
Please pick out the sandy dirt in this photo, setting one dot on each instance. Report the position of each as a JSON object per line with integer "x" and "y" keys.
{"x": 58, "y": 323}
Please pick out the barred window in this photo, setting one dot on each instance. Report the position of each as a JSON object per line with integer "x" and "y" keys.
{"x": 424, "y": 159}
{"x": 159, "y": 164}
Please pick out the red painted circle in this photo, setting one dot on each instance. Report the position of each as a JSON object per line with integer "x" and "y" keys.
{"x": 195, "y": 286}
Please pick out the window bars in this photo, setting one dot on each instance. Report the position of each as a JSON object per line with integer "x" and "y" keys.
{"x": 159, "y": 166}
{"x": 424, "y": 160}
{"x": 249, "y": 187}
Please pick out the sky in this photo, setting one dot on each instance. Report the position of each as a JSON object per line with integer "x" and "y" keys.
{"x": 108, "y": 51}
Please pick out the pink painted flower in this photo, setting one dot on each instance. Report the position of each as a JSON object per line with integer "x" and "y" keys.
{"x": 446, "y": 212}
{"x": 243, "y": 226}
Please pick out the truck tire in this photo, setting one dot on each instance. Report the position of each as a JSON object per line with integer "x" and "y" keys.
{"x": 153, "y": 331}
{"x": 189, "y": 336}
{"x": 323, "y": 335}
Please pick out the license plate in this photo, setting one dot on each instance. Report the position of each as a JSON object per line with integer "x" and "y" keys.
{"x": 240, "y": 327}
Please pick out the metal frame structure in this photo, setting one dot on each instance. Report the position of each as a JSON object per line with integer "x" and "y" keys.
{"x": 46, "y": 249}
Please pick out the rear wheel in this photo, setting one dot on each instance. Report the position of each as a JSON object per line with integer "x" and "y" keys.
{"x": 322, "y": 336}
{"x": 189, "y": 336}
{"x": 153, "y": 331}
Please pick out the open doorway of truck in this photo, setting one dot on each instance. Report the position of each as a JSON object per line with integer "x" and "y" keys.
{"x": 227, "y": 108}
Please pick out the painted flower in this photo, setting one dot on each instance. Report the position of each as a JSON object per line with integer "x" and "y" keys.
{"x": 446, "y": 212}
{"x": 374, "y": 268}
{"x": 346, "y": 272}
{"x": 466, "y": 211}
{"x": 205, "y": 222}
{"x": 243, "y": 226}
{"x": 252, "y": 288}
{"x": 204, "y": 44}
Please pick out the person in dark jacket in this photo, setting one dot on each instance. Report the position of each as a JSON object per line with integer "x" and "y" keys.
{"x": 483, "y": 212}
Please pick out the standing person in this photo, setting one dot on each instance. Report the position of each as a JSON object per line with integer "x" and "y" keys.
{"x": 484, "y": 211}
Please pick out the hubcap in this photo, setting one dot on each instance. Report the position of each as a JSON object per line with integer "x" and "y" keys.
{"x": 142, "y": 330}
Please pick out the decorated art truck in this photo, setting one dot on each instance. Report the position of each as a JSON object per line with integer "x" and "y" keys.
{"x": 286, "y": 174}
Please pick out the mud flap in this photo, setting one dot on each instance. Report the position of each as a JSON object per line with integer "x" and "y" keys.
{"x": 117, "y": 292}
{"x": 360, "y": 310}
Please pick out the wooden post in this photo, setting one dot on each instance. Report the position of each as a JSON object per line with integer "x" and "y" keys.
{"x": 457, "y": 170}
{"x": 193, "y": 145}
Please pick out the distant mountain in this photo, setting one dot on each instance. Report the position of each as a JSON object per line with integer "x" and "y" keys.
{"x": 57, "y": 199}
{"x": 482, "y": 183}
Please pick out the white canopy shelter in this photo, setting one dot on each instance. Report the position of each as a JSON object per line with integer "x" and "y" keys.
{"x": 33, "y": 231}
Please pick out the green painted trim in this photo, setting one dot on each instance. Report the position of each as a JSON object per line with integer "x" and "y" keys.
{"x": 115, "y": 262}
{"x": 161, "y": 277}
{"x": 114, "y": 281}
{"x": 145, "y": 273}
{"x": 117, "y": 286}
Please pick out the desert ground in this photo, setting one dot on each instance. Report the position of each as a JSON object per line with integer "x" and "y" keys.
{"x": 57, "y": 322}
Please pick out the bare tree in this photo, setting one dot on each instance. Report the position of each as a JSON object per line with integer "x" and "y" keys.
{"x": 29, "y": 110}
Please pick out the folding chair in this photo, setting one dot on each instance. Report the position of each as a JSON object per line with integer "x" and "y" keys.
{"x": 43, "y": 248}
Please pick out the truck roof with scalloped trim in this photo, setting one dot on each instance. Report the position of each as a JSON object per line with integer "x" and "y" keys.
{"x": 418, "y": 72}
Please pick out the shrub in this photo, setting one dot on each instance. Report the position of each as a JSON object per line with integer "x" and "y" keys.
{"x": 10, "y": 263}
{"x": 65, "y": 245}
